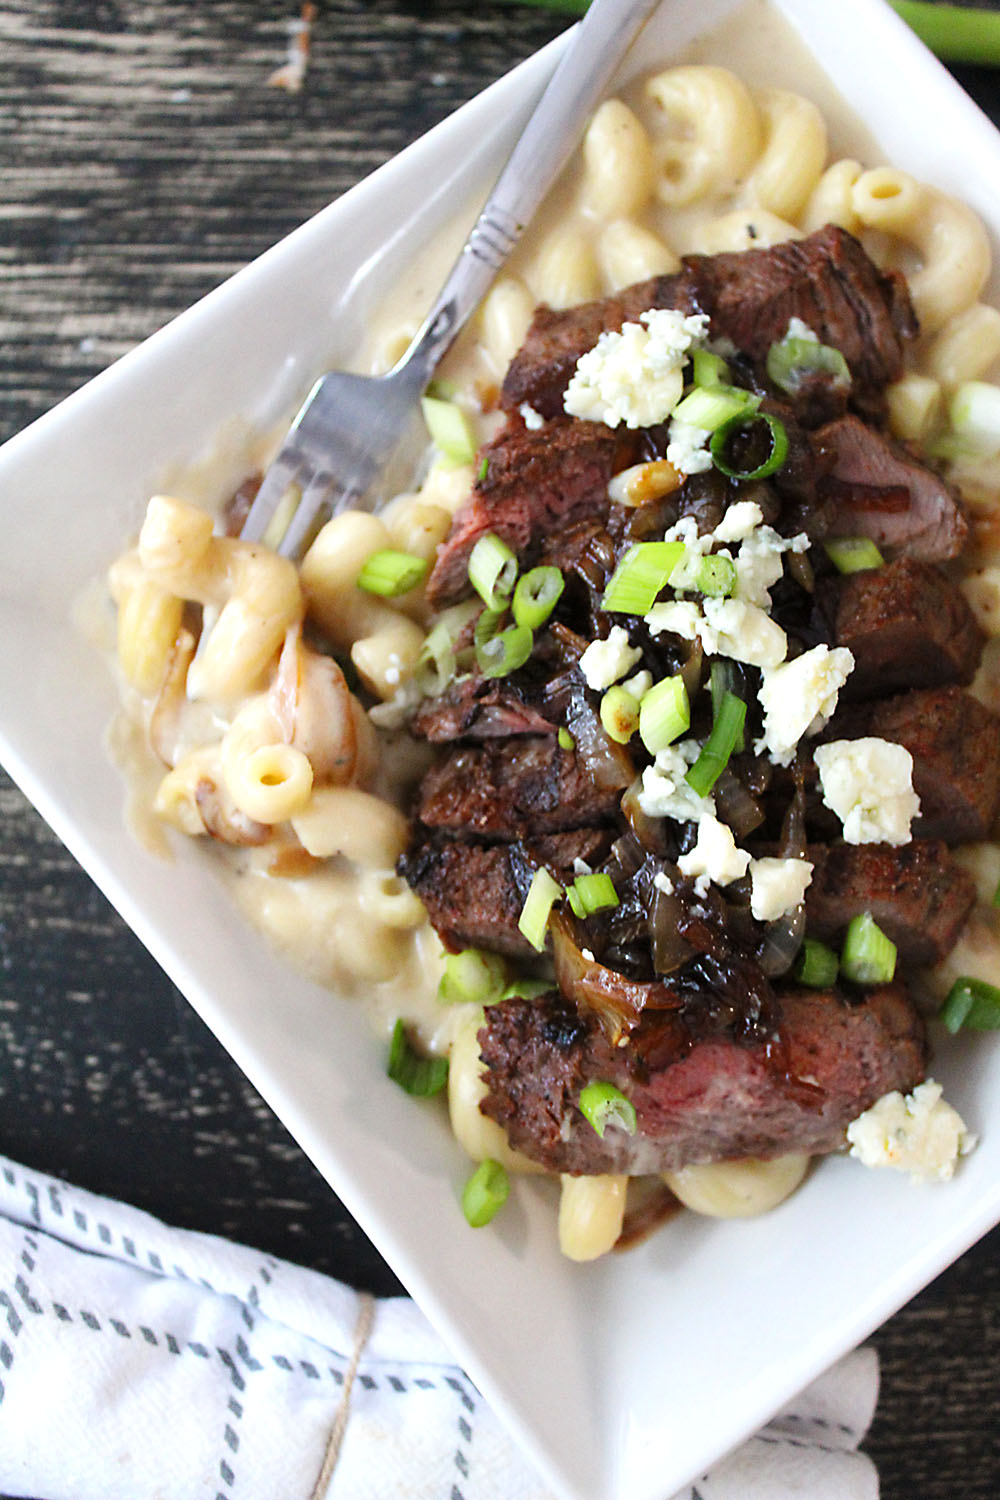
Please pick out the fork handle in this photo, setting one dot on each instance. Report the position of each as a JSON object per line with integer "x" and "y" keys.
{"x": 546, "y": 144}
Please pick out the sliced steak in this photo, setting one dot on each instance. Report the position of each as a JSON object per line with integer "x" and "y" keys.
{"x": 534, "y": 485}
{"x": 517, "y": 788}
{"x": 477, "y": 708}
{"x": 715, "y": 1102}
{"x": 955, "y": 744}
{"x": 827, "y": 280}
{"x": 474, "y": 893}
{"x": 918, "y": 895}
{"x": 540, "y": 370}
{"x": 871, "y": 486}
{"x": 906, "y": 625}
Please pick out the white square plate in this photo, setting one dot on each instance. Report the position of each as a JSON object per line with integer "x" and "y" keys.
{"x": 629, "y": 1376}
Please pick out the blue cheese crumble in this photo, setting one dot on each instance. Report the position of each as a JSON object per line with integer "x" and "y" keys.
{"x": 604, "y": 662}
{"x": 636, "y": 376}
{"x": 799, "y": 697}
{"x": 917, "y": 1133}
{"x": 868, "y": 783}
{"x": 778, "y": 886}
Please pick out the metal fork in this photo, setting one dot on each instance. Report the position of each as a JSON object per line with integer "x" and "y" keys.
{"x": 350, "y": 425}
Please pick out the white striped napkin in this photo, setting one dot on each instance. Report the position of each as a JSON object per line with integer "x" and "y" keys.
{"x": 142, "y": 1362}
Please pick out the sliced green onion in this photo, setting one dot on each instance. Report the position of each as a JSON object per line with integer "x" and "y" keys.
{"x": 420, "y": 1076}
{"x": 639, "y": 577}
{"x": 716, "y": 576}
{"x": 974, "y": 413}
{"x": 724, "y": 678}
{"x": 504, "y": 653}
{"x": 664, "y": 714}
{"x": 390, "y": 573}
{"x": 492, "y": 570}
{"x": 868, "y": 956}
{"x": 543, "y": 893}
{"x": 484, "y": 469}
{"x": 536, "y": 596}
{"x": 590, "y": 893}
{"x": 472, "y": 977}
{"x": 972, "y": 1003}
{"x": 717, "y": 749}
{"x": 487, "y": 626}
{"x": 722, "y": 436}
{"x": 436, "y": 664}
{"x": 709, "y": 369}
{"x": 793, "y": 360}
{"x": 619, "y": 715}
{"x": 485, "y": 1193}
{"x": 441, "y": 390}
{"x": 853, "y": 554}
{"x": 450, "y": 428}
{"x": 602, "y": 1105}
{"x": 527, "y": 989}
{"x": 709, "y": 407}
{"x": 996, "y": 896}
{"x": 564, "y": 739}
{"x": 816, "y": 966}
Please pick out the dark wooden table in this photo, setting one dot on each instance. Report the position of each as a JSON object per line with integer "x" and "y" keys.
{"x": 144, "y": 159}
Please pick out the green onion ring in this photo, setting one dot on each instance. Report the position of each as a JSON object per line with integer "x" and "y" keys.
{"x": 740, "y": 423}
{"x": 536, "y": 596}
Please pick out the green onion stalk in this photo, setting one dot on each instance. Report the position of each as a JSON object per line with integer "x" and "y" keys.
{"x": 957, "y": 33}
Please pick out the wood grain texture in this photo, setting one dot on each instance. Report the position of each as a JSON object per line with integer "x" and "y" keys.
{"x": 143, "y": 159}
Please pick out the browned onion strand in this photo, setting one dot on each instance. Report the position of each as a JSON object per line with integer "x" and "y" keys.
{"x": 800, "y": 569}
{"x": 651, "y": 832}
{"x": 692, "y": 669}
{"x": 670, "y": 948}
{"x": 609, "y": 764}
{"x": 782, "y": 941}
{"x": 792, "y": 844}
{"x": 616, "y": 1002}
{"x": 736, "y": 806}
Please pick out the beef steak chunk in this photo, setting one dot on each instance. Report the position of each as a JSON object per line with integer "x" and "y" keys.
{"x": 477, "y": 708}
{"x": 955, "y": 744}
{"x": 474, "y": 893}
{"x": 540, "y": 371}
{"x": 917, "y": 894}
{"x": 534, "y": 485}
{"x": 826, "y": 279}
{"x": 871, "y": 486}
{"x": 517, "y": 788}
{"x": 906, "y": 625}
{"x": 715, "y": 1102}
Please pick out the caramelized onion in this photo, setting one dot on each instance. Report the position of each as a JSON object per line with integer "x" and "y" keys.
{"x": 801, "y": 570}
{"x": 691, "y": 671}
{"x": 792, "y": 844}
{"x": 609, "y": 765}
{"x": 736, "y": 806}
{"x": 670, "y": 948}
{"x": 625, "y": 859}
{"x": 782, "y": 941}
{"x": 616, "y": 1002}
{"x": 649, "y": 831}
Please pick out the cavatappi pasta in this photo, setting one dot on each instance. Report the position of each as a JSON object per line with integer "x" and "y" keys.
{"x": 233, "y": 661}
